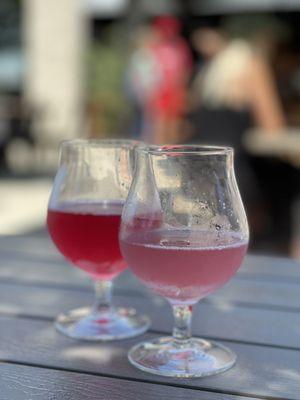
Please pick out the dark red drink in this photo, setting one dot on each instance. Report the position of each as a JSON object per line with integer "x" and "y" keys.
{"x": 87, "y": 235}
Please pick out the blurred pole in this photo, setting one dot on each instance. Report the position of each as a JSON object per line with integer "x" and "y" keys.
{"x": 54, "y": 35}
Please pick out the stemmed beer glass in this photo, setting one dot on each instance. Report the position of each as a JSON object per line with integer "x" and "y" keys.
{"x": 184, "y": 233}
{"x": 84, "y": 214}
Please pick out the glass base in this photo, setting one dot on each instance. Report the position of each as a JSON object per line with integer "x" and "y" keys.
{"x": 112, "y": 324}
{"x": 194, "y": 358}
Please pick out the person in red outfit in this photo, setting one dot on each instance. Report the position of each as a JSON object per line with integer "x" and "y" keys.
{"x": 166, "y": 103}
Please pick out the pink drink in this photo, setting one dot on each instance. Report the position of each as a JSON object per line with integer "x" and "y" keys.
{"x": 184, "y": 266}
{"x": 87, "y": 235}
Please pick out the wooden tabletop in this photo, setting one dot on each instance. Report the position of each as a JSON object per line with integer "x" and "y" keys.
{"x": 257, "y": 314}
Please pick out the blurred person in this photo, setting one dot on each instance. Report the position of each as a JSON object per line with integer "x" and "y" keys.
{"x": 207, "y": 42}
{"x": 235, "y": 90}
{"x": 20, "y": 119}
{"x": 16, "y": 123}
{"x": 158, "y": 73}
{"x": 142, "y": 75}
{"x": 236, "y": 78}
{"x": 168, "y": 101}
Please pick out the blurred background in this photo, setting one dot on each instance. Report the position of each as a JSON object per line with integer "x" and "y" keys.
{"x": 198, "y": 71}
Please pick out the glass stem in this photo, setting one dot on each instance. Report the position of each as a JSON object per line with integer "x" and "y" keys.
{"x": 103, "y": 291}
{"x": 182, "y": 323}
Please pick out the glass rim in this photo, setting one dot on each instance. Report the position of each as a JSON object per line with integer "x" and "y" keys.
{"x": 186, "y": 149}
{"x": 93, "y": 142}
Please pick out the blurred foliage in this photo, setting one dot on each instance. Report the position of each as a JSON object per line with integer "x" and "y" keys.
{"x": 106, "y": 63}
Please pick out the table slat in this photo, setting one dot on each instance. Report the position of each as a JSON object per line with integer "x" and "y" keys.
{"x": 221, "y": 321}
{"x": 41, "y": 248}
{"x": 260, "y": 294}
{"x": 264, "y": 293}
{"x": 260, "y": 371}
{"x": 20, "y": 382}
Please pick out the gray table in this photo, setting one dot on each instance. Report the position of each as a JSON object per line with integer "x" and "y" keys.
{"x": 257, "y": 314}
